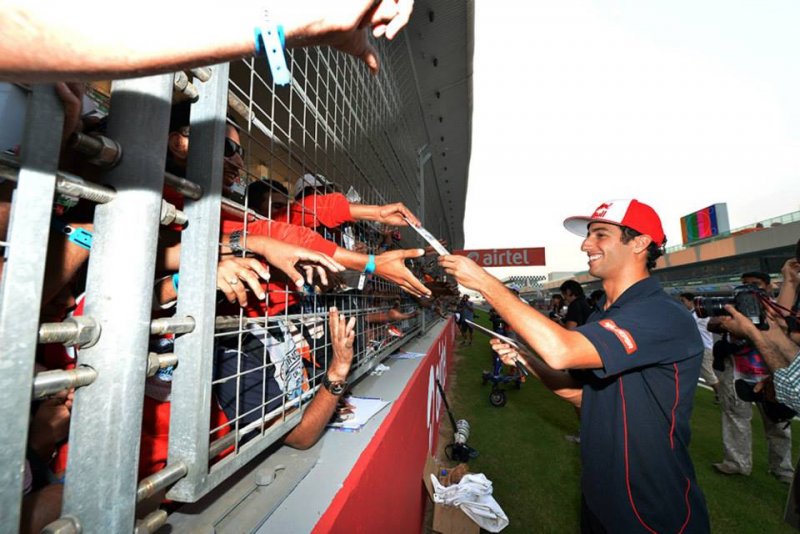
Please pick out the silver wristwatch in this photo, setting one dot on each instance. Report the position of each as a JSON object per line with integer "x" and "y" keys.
{"x": 234, "y": 242}
{"x": 336, "y": 387}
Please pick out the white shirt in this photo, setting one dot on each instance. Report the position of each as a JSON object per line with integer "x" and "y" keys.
{"x": 702, "y": 327}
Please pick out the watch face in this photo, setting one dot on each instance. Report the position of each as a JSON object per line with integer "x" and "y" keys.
{"x": 336, "y": 388}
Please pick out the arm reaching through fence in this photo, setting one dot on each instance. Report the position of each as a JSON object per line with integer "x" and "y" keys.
{"x": 319, "y": 412}
{"x": 48, "y": 41}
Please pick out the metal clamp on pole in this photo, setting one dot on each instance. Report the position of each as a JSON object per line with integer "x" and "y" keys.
{"x": 66, "y": 183}
{"x": 172, "y": 215}
{"x": 172, "y": 325}
{"x": 82, "y": 331}
{"x": 151, "y": 523}
{"x": 161, "y": 480}
{"x": 183, "y": 88}
{"x": 160, "y": 361}
{"x": 183, "y": 186}
{"x": 64, "y": 525}
{"x": 201, "y": 73}
{"x": 232, "y": 322}
{"x": 49, "y": 382}
{"x": 99, "y": 149}
{"x": 216, "y": 447}
{"x": 75, "y": 186}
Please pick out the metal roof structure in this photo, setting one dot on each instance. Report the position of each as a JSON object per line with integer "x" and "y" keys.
{"x": 440, "y": 39}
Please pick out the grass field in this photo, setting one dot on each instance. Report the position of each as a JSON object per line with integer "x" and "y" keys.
{"x": 536, "y": 472}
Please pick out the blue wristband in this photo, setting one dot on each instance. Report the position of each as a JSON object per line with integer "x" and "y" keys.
{"x": 175, "y": 279}
{"x": 76, "y": 235}
{"x": 260, "y": 48}
{"x": 270, "y": 41}
{"x": 369, "y": 268}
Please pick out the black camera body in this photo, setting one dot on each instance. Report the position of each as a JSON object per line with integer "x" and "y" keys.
{"x": 747, "y": 300}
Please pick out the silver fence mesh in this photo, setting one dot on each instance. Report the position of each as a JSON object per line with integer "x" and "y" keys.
{"x": 236, "y": 379}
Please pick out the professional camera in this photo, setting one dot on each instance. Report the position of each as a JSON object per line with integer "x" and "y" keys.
{"x": 747, "y": 300}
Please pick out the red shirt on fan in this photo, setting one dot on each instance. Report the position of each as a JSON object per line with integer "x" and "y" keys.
{"x": 330, "y": 210}
{"x": 278, "y": 296}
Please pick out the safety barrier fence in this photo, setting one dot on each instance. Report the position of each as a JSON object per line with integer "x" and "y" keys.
{"x": 335, "y": 121}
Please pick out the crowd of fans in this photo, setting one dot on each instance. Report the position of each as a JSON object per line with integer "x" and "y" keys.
{"x": 307, "y": 256}
{"x": 319, "y": 279}
{"x": 316, "y": 277}
{"x": 279, "y": 257}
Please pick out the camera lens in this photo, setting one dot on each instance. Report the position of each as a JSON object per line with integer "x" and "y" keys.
{"x": 711, "y": 306}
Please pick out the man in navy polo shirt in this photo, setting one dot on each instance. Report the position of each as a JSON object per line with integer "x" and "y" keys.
{"x": 632, "y": 368}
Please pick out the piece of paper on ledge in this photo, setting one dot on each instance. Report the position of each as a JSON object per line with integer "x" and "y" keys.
{"x": 403, "y": 355}
{"x": 364, "y": 409}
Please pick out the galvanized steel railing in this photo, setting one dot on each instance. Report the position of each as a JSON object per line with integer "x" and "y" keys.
{"x": 361, "y": 132}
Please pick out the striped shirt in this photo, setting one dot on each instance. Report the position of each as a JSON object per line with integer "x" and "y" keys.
{"x": 787, "y": 384}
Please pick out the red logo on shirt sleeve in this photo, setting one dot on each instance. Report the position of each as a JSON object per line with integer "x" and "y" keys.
{"x": 623, "y": 335}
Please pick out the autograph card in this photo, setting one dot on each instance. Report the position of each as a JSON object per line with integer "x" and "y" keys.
{"x": 522, "y": 350}
{"x": 427, "y": 236}
{"x": 501, "y": 337}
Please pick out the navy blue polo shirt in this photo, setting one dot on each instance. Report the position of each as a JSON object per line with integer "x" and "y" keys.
{"x": 637, "y": 473}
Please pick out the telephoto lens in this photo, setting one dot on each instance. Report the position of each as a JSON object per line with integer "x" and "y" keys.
{"x": 747, "y": 299}
{"x": 462, "y": 432}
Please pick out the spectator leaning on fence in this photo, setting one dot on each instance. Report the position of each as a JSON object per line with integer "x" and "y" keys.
{"x": 389, "y": 265}
{"x": 264, "y": 383}
{"x": 288, "y": 247}
{"x": 311, "y": 209}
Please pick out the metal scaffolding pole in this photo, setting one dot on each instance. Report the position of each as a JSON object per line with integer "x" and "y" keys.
{"x": 100, "y": 489}
{"x": 423, "y": 156}
{"x": 22, "y": 283}
{"x": 191, "y": 385}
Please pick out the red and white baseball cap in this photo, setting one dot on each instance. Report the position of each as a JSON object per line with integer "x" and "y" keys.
{"x": 629, "y": 212}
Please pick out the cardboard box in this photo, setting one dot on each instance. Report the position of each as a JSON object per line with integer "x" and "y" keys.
{"x": 446, "y": 519}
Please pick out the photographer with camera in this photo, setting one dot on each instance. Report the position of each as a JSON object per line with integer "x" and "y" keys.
{"x": 781, "y": 355}
{"x": 779, "y": 343}
{"x": 632, "y": 368}
{"x": 743, "y": 367}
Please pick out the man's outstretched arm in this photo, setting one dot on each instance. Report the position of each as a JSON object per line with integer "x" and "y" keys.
{"x": 559, "y": 348}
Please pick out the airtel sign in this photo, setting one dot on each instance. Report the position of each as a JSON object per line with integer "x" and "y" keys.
{"x": 505, "y": 257}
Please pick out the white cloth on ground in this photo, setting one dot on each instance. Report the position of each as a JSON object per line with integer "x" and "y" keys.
{"x": 473, "y": 495}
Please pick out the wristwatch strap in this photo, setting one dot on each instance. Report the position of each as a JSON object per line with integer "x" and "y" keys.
{"x": 335, "y": 388}
{"x": 234, "y": 242}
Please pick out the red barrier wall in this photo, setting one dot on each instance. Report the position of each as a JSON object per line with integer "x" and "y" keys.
{"x": 384, "y": 491}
